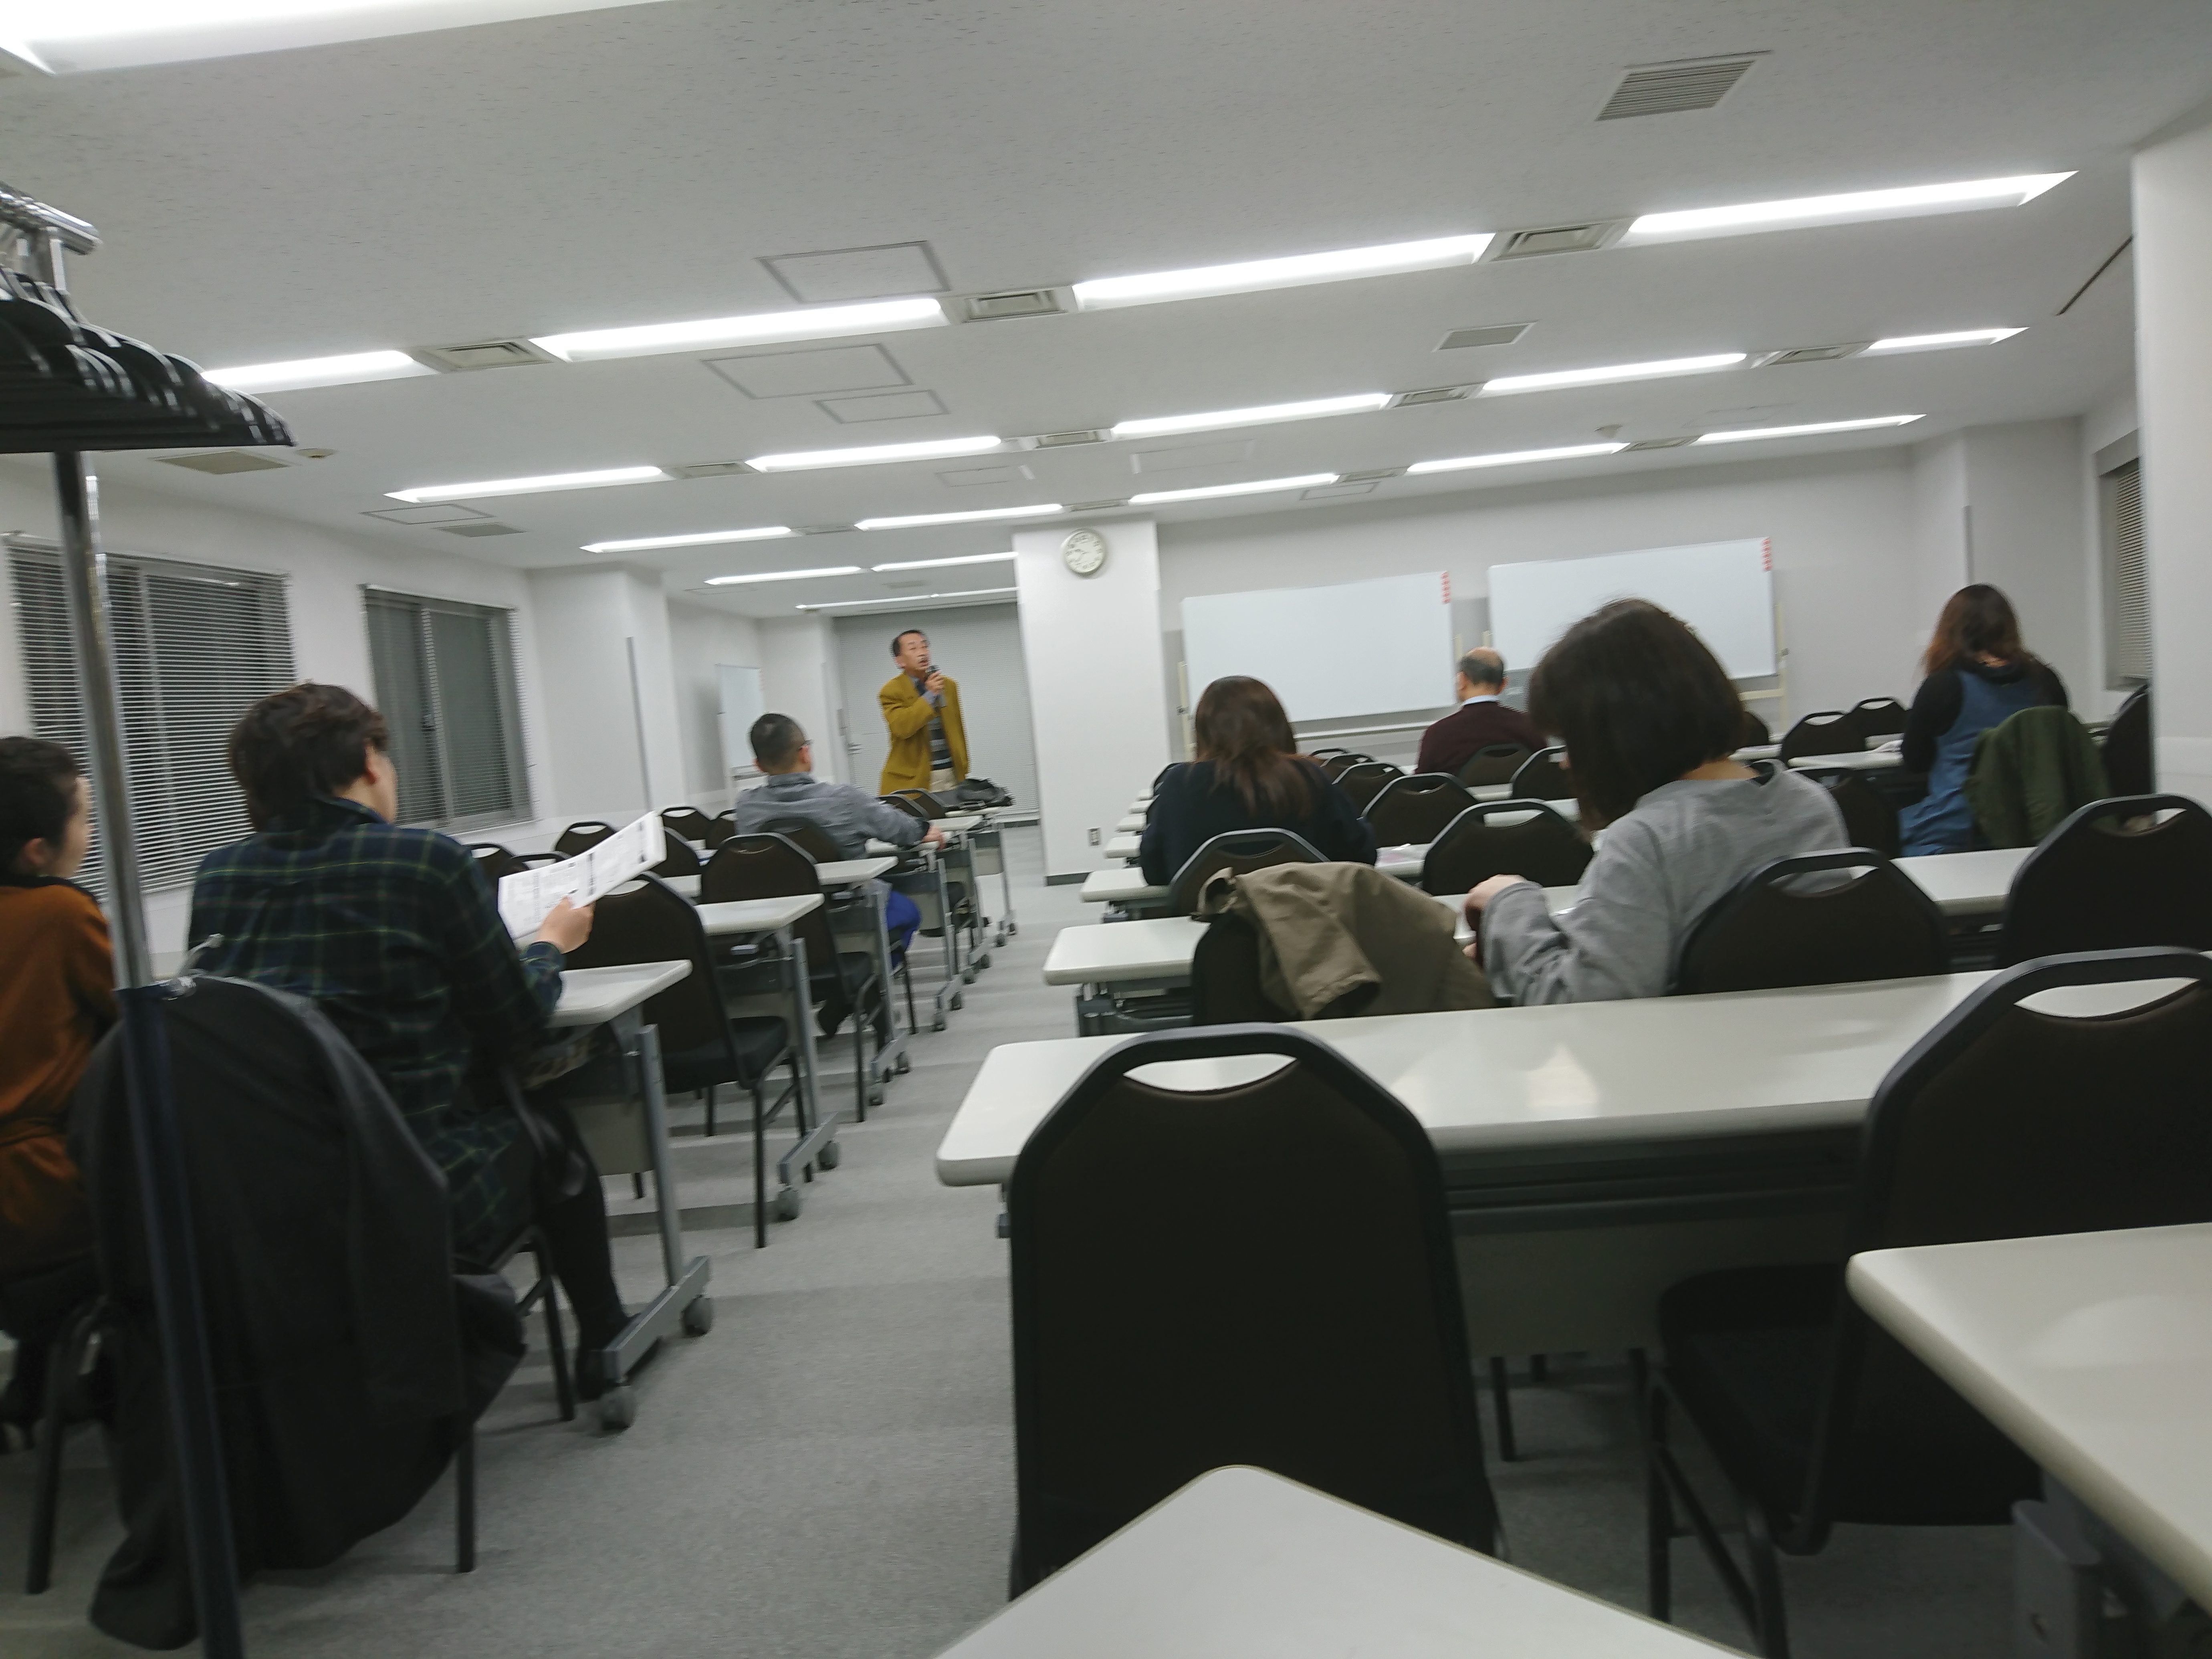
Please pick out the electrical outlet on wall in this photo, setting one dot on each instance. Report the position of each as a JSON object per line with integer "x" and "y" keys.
{"x": 1094, "y": 838}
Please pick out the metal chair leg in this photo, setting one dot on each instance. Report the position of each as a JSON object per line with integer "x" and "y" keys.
{"x": 760, "y": 1166}
{"x": 464, "y": 1500}
{"x": 710, "y": 1111}
{"x": 557, "y": 1348}
{"x": 1658, "y": 1509}
{"x": 64, "y": 1361}
{"x": 1540, "y": 1370}
{"x": 1501, "y": 1393}
{"x": 1772, "y": 1627}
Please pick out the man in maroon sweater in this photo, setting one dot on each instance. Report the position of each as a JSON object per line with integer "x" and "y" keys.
{"x": 1479, "y": 721}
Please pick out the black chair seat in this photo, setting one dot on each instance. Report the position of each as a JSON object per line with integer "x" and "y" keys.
{"x": 756, "y": 1043}
{"x": 1748, "y": 1351}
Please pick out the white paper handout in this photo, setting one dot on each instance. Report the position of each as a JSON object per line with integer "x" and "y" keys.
{"x": 527, "y": 897}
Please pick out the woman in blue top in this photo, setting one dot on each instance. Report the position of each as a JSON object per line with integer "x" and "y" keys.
{"x": 1980, "y": 675}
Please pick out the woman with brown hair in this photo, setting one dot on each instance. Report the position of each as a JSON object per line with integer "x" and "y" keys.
{"x": 1650, "y": 720}
{"x": 1247, "y": 775}
{"x": 1980, "y": 675}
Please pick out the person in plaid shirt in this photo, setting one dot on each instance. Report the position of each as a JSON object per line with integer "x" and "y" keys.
{"x": 397, "y": 938}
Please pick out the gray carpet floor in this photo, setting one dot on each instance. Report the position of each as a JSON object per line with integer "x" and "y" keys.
{"x": 829, "y": 1472}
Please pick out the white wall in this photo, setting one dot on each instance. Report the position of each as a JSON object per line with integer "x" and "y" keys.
{"x": 700, "y": 639}
{"x": 1843, "y": 528}
{"x": 981, "y": 648}
{"x": 603, "y": 637}
{"x": 325, "y": 571}
{"x": 2105, "y": 422}
{"x": 2023, "y": 493}
{"x": 799, "y": 677}
{"x": 1097, "y": 689}
{"x": 2174, "y": 375}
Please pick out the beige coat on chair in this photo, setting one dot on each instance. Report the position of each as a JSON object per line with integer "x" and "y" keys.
{"x": 1341, "y": 939}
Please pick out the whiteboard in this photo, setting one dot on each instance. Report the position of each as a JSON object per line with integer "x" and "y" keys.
{"x": 741, "y": 706}
{"x": 1724, "y": 590}
{"x": 1372, "y": 648}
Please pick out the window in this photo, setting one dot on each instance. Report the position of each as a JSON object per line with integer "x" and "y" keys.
{"x": 195, "y": 646}
{"x": 2127, "y": 583}
{"x": 445, "y": 680}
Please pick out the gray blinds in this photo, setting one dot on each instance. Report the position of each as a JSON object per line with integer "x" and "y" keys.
{"x": 2127, "y": 587}
{"x": 195, "y": 646}
{"x": 445, "y": 680}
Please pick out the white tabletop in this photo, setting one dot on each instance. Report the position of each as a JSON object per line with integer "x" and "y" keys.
{"x": 1867, "y": 760}
{"x": 1122, "y": 886}
{"x": 1123, "y": 846}
{"x": 593, "y": 996}
{"x": 1100, "y": 953}
{"x": 1244, "y": 1564}
{"x": 2092, "y": 1351}
{"x": 760, "y": 915}
{"x": 851, "y": 872}
{"x": 1967, "y": 883}
{"x": 686, "y": 885}
{"x": 1730, "y": 1062}
{"x": 1752, "y": 752}
{"x": 1132, "y": 823}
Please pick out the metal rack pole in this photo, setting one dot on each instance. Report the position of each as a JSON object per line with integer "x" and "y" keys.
{"x": 196, "y": 1438}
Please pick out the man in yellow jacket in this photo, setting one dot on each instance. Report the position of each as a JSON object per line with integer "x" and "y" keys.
{"x": 921, "y": 706}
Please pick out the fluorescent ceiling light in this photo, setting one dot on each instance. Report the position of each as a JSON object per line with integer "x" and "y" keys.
{"x": 1158, "y": 496}
{"x": 932, "y": 564}
{"x": 784, "y": 576}
{"x": 1295, "y": 271}
{"x": 97, "y": 34}
{"x": 908, "y": 598}
{"x": 1160, "y": 425}
{"x": 1517, "y": 458}
{"x": 936, "y": 449}
{"x": 1969, "y": 337}
{"x": 600, "y": 480}
{"x": 300, "y": 372}
{"x": 913, "y": 520}
{"x": 1909, "y": 202}
{"x": 820, "y": 323}
{"x": 1744, "y": 435}
{"x": 1553, "y": 381}
{"x": 703, "y": 539}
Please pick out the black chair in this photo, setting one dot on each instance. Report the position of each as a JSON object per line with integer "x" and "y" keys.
{"x": 1413, "y": 812}
{"x": 1754, "y": 732}
{"x": 1869, "y": 816}
{"x": 932, "y": 806}
{"x": 581, "y": 837}
{"x": 2002, "y": 1122}
{"x": 840, "y": 983}
{"x": 702, "y": 1049}
{"x": 1828, "y": 731}
{"x": 1360, "y": 784}
{"x": 809, "y": 837}
{"x": 1224, "y": 977}
{"x": 2112, "y": 875}
{"x": 1543, "y": 776}
{"x": 905, "y": 803}
{"x": 1245, "y": 1312}
{"x": 723, "y": 825}
{"x": 680, "y": 859}
{"x": 1495, "y": 764}
{"x": 1785, "y": 926}
{"x": 495, "y": 861}
{"x": 1877, "y": 717}
{"x": 55, "y": 1315}
{"x": 1339, "y": 763}
{"x": 693, "y": 825}
{"x": 1317, "y": 756}
{"x": 2129, "y": 766}
{"x": 1534, "y": 842}
{"x": 1237, "y": 851}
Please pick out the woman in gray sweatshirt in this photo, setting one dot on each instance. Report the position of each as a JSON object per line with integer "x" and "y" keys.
{"x": 1649, "y": 721}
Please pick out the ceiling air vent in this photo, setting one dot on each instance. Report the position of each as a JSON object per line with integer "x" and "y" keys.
{"x": 1061, "y": 440}
{"x": 1665, "y": 88}
{"x": 1371, "y": 475}
{"x": 1017, "y": 302}
{"x": 710, "y": 470}
{"x": 1094, "y": 506}
{"x": 1820, "y": 353}
{"x": 1435, "y": 394}
{"x": 481, "y": 354}
{"x": 1497, "y": 334}
{"x": 1557, "y": 239}
{"x": 221, "y": 461}
{"x": 1658, "y": 443}
{"x": 486, "y": 528}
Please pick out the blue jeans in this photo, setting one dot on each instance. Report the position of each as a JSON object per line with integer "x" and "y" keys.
{"x": 902, "y": 915}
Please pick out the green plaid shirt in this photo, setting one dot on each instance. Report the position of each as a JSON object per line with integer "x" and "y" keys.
{"x": 397, "y": 938}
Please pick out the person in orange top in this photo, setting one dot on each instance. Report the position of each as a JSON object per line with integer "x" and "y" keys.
{"x": 57, "y": 997}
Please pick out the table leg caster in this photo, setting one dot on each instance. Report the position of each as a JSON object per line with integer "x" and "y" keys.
{"x": 699, "y": 1316}
{"x": 618, "y": 1407}
{"x": 787, "y": 1205}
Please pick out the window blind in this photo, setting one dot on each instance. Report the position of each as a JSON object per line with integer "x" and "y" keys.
{"x": 195, "y": 646}
{"x": 2127, "y": 580}
{"x": 446, "y": 683}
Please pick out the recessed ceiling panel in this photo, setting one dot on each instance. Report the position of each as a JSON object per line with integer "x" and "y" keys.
{"x": 1183, "y": 456}
{"x": 437, "y": 513}
{"x": 883, "y": 272}
{"x": 811, "y": 372}
{"x": 221, "y": 461}
{"x": 883, "y": 406}
{"x": 961, "y": 477}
